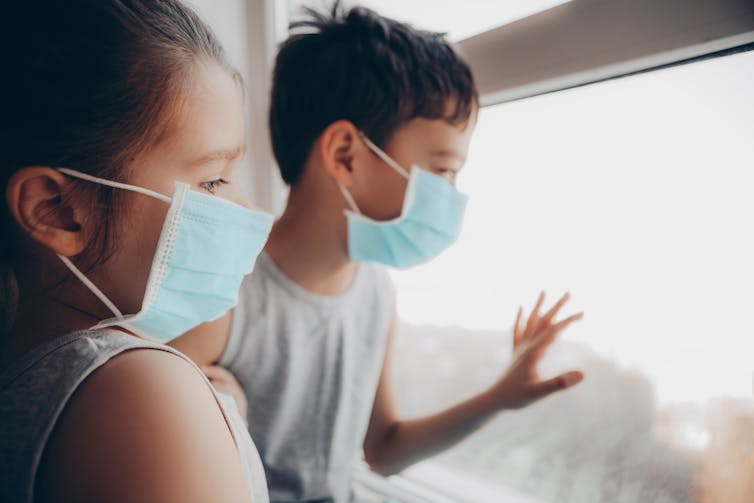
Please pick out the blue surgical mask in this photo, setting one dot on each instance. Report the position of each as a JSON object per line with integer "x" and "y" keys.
{"x": 206, "y": 247}
{"x": 429, "y": 223}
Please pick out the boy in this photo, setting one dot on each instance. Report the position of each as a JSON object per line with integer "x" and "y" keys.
{"x": 360, "y": 104}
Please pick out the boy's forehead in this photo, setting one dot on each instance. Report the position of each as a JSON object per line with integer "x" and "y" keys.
{"x": 436, "y": 137}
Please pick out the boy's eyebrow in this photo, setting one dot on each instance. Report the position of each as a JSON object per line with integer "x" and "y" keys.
{"x": 447, "y": 153}
{"x": 221, "y": 155}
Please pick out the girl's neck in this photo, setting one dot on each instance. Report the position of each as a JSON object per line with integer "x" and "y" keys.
{"x": 46, "y": 312}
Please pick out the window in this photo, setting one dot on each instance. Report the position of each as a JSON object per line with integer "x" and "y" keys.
{"x": 448, "y": 15}
{"x": 636, "y": 196}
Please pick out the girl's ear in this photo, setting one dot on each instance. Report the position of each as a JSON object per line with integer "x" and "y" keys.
{"x": 35, "y": 198}
{"x": 340, "y": 147}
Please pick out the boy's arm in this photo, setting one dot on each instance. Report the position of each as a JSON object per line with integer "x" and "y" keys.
{"x": 392, "y": 444}
{"x": 205, "y": 344}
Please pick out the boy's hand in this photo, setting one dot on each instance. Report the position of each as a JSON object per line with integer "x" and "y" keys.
{"x": 225, "y": 382}
{"x": 521, "y": 384}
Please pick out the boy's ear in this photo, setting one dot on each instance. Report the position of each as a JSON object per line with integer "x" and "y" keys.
{"x": 35, "y": 198}
{"x": 339, "y": 146}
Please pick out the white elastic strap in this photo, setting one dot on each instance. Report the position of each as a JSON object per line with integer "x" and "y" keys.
{"x": 349, "y": 198}
{"x": 117, "y": 185}
{"x": 91, "y": 286}
{"x": 382, "y": 155}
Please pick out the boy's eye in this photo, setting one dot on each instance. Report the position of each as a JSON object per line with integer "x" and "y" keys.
{"x": 446, "y": 173}
{"x": 212, "y": 185}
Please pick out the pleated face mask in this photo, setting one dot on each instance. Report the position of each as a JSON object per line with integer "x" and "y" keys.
{"x": 206, "y": 247}
{"x": 429, "y": 223}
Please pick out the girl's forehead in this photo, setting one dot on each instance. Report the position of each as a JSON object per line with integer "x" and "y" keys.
{"x": 209, "y": 120}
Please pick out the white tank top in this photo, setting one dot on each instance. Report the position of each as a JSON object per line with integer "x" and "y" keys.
{"x": 35, "y": 389}
{"x": 310, "y": 365}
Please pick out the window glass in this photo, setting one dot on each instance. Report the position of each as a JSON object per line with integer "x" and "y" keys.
{"x": 635, "y": 195}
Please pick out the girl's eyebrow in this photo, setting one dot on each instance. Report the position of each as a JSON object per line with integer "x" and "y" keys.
{"x": 220, "y": 155}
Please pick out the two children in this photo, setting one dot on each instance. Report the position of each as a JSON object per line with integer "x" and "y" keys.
{"x": 124, "y": 127}
{"x": 370, "y": 122}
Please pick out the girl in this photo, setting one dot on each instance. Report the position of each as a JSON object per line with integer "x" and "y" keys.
{"x": 123, "y": 126}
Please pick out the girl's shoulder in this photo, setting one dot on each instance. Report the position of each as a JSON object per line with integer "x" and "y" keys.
{"x": 144, "y": 427}
{"x": 104, "y": 416}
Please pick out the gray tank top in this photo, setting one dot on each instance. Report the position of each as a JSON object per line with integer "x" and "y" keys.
{"x": 310, "y": 365}
{"x": 35, "y": 389}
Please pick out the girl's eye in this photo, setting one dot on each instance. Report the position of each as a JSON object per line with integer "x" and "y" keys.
{"x": 212, "y": 185}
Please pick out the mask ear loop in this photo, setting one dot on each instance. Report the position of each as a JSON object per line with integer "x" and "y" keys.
{"x": 91, "y": 286}
{"x": 349, "y": 198}
{"x": 70, "y": 265}
{"x": 117, "y": 185}
{"x": 382, "y": 155}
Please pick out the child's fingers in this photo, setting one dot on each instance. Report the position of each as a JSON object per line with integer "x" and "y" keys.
{"x": 549, "y": 335}
{"x": 517, "y": 328}
{"x": 561, "y": 382}
{"x": 554, "y": 311}
{"x": 217, "y": 373}
{"x": 533, "y": 322}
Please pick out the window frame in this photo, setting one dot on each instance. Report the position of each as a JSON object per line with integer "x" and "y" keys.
{"x": 586, "y": 41}
{"x": 266, "y": 26}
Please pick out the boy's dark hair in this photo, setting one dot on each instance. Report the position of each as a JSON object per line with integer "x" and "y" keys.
{"x": 356, "y": 65}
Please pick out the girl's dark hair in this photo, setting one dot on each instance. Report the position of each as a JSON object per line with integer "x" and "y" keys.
{"x": 89, "y": 85}
{"x": 356, "y": 65}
